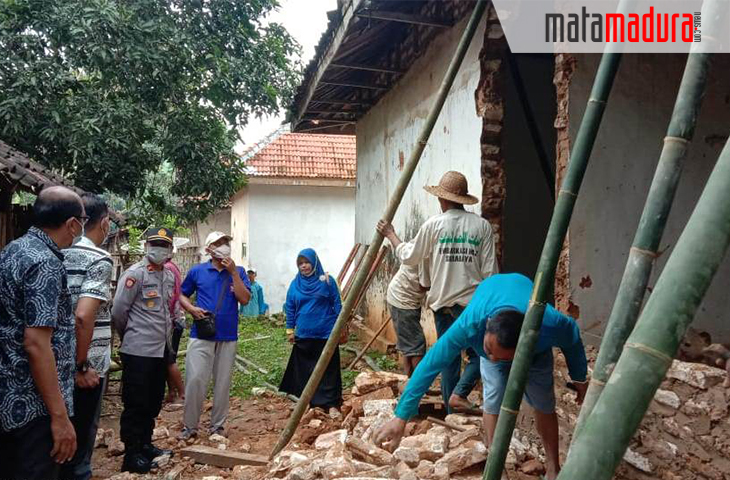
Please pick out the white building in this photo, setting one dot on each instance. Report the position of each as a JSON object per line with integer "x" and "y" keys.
{"x": 300, "y": 194}
{"x": 376, "y": 74}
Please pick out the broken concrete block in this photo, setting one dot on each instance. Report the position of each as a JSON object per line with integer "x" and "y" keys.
{"x": 668, "y": 398}
{"x": 424, "y": 469}
{"x": 695, "y": 374}
{"x": 162, "y": 461}
{"x": 368, "y": 452}
{"x": 462, "y": 458}
{"x": 307, "y": 471}
{"x": 377, "y": 407}
{"x": 286, "y": 460}
{"x": 461, "y": 437}
{"x": 115, "y": 449}
{"x": 435, "y": 445}
{"x": 409, "y": 475}
{"x": 440, "y": 472}
{"x": 410, "y": 456}
{"x": 637, "y": 460}
{"x": 244, "y": 447}
{"x": 336, "y": 468}
{"x": 217, "y": 439}
{"x": 414, "y": 441}
{"x": 329, "y": 440}
{"x": 386, "y": 471}
{"x": 370, "y": 381}
{"x": 99, "y": 440}
{"x": 463, "y": 420}
{"x": 159, "y": 433}
{"x": 533, "y": 467}
{"x": 109, "y": 437}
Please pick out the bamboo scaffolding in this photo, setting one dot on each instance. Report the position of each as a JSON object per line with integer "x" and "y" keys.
{"x": 377, "y": 240}
{"x": 545, "y": 276}
{"x": 645, "y": 247}
{"x": 348, "y": 262}
{"x": 654, "y": 342}
{"x": 372, "y": 340}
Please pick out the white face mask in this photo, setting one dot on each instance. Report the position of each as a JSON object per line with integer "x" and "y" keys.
{"x": 224, "y": 251}
{"x": 158, "y": 255}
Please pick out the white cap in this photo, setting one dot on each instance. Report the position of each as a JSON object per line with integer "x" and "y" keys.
{"x": 251, "y": 269}
{"x": 215, "y": 236}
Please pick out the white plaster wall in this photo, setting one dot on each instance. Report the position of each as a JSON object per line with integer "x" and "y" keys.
{"x": 386, "y": 137}
{"x": 283, "y": 220}
{"x": 218, "y": 222}
{"x": 239, "y": 227}
{"x": 620, "y": 172}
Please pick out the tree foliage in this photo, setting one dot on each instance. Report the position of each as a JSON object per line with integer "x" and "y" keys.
{"x": 109, "y": 91}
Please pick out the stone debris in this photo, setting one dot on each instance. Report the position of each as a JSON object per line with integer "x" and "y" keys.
{"x": 218, "y": 439}
{"x": 159, "y": 433}
{"x": 668, "y": 398}
{"x": 330, "y": 440}
{"x": 637, "y": 460}
{"x": 370, "y": 381}
{"x": 696, "y": 374}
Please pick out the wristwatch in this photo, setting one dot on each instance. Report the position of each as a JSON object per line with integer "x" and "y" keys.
{"x": 83, "y": 367}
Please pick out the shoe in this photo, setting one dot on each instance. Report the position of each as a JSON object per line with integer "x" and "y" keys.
{"x": 187, "y": 434}
{"x": 137, "y": 463}
{"x": 217, "y": 431}
{"x": 152, "y": 452}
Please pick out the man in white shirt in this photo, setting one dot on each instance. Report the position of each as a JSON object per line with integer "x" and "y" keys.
{"x": 456, "y": 249}
{"x": 405, "y": 296}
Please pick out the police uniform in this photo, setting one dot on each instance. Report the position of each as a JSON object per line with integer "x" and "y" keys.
{"x": 141, "y": 317}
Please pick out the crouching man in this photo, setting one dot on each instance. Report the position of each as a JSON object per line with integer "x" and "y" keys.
{"x": 141, "y": 316}
{"x": 491, "y": 325}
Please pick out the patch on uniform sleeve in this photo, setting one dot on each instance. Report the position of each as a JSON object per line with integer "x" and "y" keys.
{"x": 130, "y": 282}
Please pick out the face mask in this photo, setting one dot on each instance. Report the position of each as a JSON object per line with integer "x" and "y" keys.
{"x": 158, "y": 255}
{"x": 80, "y": 235}
{"x": 224, "y": 251}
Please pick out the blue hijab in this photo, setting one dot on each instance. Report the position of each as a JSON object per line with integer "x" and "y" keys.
{"x": 317, "y": 284}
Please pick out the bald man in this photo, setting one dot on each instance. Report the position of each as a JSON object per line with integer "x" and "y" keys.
{"x": 37, "y": 341}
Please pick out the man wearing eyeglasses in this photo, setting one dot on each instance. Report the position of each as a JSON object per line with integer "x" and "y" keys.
{"x": 37, "y": 342}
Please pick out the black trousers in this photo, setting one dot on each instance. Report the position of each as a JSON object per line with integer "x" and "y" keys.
{"x": 25, "y": 453}
{"x": 87, "y": 408}
{"x": 143, "y": 389}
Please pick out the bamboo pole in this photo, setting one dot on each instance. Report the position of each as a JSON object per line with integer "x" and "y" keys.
{"x": 351, "y": 278}
{"x": 644, "y": 249}
{"x": 654, "y": 342}
{"x": 388, "y": 215}
{"x": 348, "y": 262}
{"x": 545, "y": 276}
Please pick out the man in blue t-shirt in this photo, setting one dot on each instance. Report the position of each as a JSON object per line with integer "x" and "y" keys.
{"x": 219, "y": 286}
{"x": 491, "y": 325}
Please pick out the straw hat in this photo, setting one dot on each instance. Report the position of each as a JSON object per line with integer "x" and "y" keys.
{"x": 452, "y": 187}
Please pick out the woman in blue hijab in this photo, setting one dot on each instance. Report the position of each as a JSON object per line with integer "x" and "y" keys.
{"x": 312, "y": 306}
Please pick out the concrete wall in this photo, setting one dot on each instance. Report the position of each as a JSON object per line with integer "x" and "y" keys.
{"x": 283, "y": 220}
{"x": 386, "y": 137}
{"x": 218, "y": 222}
{"x": 620, "y": 172}
{"x": 239, "y": 227}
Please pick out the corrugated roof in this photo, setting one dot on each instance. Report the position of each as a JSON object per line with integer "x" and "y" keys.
{"x": 304, "y": 155}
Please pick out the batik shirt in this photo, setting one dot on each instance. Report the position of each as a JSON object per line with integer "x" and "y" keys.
{"x": 89, "y": 271}
{"x": 33, "y": 293}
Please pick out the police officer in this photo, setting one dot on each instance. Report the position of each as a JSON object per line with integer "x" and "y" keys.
{"x": 144, "y": 323}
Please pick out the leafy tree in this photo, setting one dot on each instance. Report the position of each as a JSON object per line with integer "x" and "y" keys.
{"x": 111, "y": 92}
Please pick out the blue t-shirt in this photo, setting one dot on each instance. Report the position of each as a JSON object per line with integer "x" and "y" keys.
{"x": 313, "y": 316}
{"x": 206, "y": 282}
{"x": 499, "y": 292}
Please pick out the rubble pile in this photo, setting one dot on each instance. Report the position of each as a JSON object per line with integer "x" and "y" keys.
{"x": 685, "y": 435}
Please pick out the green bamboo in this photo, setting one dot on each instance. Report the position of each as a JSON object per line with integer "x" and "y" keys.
{"x": 645, "y": 247}
{"x": 654, "y": 342}
{"x": 548, "y": 262}
{"x": 376, "y": 242}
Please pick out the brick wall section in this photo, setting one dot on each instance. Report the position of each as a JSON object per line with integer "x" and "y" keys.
{"x": 564, "y": 68}
{"x": 490, "y": 107}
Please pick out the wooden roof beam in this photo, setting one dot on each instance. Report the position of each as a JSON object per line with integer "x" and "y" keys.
{"x": 340, "y": 101}
{"x": 352, "y": 84}
{"x": 404, "y": 18}
{"x": 369, "y": 68}
{"x": 348, "y": 16}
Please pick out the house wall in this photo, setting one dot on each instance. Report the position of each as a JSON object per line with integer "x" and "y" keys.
{"x": 239, "y": 227}
{"x": 218, "y": 222}
{"x": 283, "y": 220}
{"x": 386, "y": 136}
{"x": 620, "y": 172}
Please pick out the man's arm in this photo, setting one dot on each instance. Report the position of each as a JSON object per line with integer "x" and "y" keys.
{"x": 86, "y": 310}
{"x": 127, "y": 289}
{"x": 437, "y": 358}
{"x": 37, "y": 344}
{"x": 241, "y": 285}
{"x": 488, "y": 257}
{"x": 565, "y": 334}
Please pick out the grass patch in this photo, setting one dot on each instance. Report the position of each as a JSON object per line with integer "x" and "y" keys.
{"x": 262, "y": 341}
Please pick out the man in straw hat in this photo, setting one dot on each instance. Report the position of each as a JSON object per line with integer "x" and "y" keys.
{"x": 457, "y": 250}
